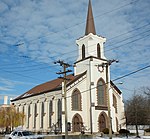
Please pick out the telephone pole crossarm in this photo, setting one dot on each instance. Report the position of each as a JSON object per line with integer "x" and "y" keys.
{"x": 64, "y": 72}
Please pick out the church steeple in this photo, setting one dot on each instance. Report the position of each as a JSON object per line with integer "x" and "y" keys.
{"x": 90, "y": 27}
{"x": 90, "y": 46}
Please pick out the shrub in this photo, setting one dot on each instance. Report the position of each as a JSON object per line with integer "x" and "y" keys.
{"x": 124, "y": 131}
{"x": 39, "y": 132}
{"x": 106, "y": 131}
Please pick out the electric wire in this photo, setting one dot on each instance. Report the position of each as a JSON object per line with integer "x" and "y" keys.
{"x": 21, "y": 75}
{"x": 118, "y": 78}
{"x": 115, "y": 9}
{"x": 114, "y": 48}
{"x": 107, "y": 41}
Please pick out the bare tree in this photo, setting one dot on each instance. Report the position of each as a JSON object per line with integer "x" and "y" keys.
{"x": 137, "y": 110}
{"x": 10, "y": 118}
{"x": 146, "y": 91}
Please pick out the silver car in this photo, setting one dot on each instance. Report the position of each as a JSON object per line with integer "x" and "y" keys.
{"x": 23, "y": 135}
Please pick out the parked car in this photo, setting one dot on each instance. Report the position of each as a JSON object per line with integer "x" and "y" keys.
{"x": 23, "y": 135}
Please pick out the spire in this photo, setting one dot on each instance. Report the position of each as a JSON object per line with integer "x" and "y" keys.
{"x": 90, "y": 27}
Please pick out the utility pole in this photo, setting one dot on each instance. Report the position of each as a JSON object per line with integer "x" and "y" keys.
{"x": 91, "y": 124}
{"x": 107, "y": 64}
{"x": 108, "y": 97}
{"x": 64, "y": 72}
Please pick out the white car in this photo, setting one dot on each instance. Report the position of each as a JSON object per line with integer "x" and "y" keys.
{"x": 23, "y": 135}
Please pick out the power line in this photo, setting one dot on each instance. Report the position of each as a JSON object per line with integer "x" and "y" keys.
{"x": 119, "y": 45}
{"x": 115, "y": 9}
{"x": 123, "y": 76}
{"x": 131, "y": 73}
{"x": 72, "y": 56}
{"x": 34, "y": 67}
{"x": 46, "y": 67}
{"x": 113, "y": 38}
{"x": 114, "y": 43}
{"x": 111, "y": 48}
{"x": 8, "y": 71}
{"x": 145, "y": 25}
{"x": 21, "y": 75}
{"x": 114, "y": 47}
{"x": 96, "y": 16}
{"x": 128, "y": 89}
{"x": 128, "y": 43}
{"x": 118, "y": 36}
{"x": 116, "y": 78}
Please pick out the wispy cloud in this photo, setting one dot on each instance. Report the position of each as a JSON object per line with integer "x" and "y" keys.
{"x": 47, "y": 31}
{"x": 8, "y": 85}
{"x": 5, "y": 89}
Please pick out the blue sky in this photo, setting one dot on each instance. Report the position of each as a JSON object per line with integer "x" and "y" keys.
{"x": 35, "y": 33}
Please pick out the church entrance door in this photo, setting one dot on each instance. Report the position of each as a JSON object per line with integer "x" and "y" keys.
{"x": 102, "y": 122}
{"x": 77, "y": 123}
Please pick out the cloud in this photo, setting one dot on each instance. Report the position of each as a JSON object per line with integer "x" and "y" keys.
{"x": 6, "y": 85}
{"x": 47, "y": 31}
{"x": 3, "y": 7}
{"x": 9, "y": 85}
{"x": 7, "y": 82}
{"x": 5, "y": 89}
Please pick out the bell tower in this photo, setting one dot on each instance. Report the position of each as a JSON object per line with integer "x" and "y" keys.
{"x": 90, "y": 56}
{"x": 90, "y": 45}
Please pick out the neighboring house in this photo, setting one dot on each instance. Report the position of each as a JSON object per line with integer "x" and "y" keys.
{"x": 87, "y": 93}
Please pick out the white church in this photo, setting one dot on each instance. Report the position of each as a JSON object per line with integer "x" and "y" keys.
{"x": 92, "y": 99}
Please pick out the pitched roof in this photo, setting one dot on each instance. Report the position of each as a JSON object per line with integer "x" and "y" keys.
{"x": 90, "y": 27}
{"x": 49, "y": 86}
{"x": 115, "y": 87}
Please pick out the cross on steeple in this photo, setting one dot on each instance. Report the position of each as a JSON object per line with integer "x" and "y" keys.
{"x": 90, "y": 27}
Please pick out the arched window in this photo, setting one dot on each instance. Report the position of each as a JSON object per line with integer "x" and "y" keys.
{"x": 23, "y": 109}
{"x": 17, "y": 109}
{"x": 76, "y": 100}
{"x": 83, "y": 51}
{"x": 117, "y": 125}
{"x": 35, "y": 115}
{"x": 42, "y": 114}
{"x": 29, "y": 111}
{"x": 101, "y": 94}
{"x": 35, "y": 110}
{"x": 115, "y": 103}
{"x": 29, "y": 114}
{"x": 98, "y": 51}
{"x": 59, "y": 113}
{"x": 50, "y": 112}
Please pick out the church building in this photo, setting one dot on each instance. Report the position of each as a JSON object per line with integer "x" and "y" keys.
{"x": 93, "y": 101}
